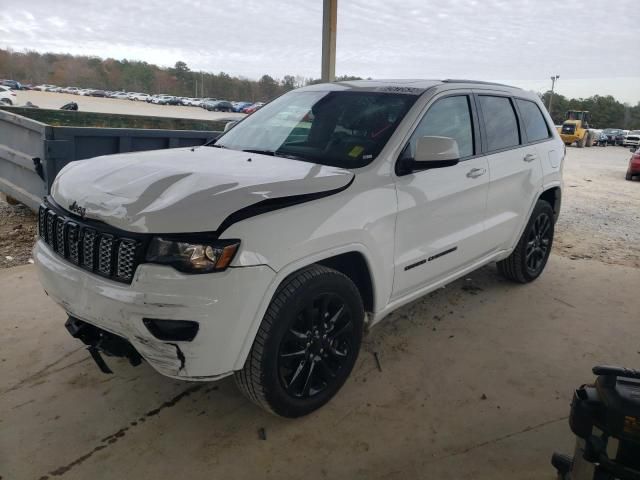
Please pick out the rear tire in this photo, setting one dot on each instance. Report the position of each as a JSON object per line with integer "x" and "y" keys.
{"x": 7, "y": 101}
{"x": 307, "y": 344}
{"x": 628, "y": 176}
{"x": 528, "y": 259}
{"x": 589, "y": 141}
{"x": 582, "y": 142}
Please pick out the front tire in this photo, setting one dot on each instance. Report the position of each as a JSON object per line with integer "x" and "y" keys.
{"x": 307, "y": 344}
{"x": 528, "y": 259}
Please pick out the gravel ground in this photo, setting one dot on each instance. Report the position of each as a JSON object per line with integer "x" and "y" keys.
{"x": 600, "y": 216}
{"x": 17, "y": 233}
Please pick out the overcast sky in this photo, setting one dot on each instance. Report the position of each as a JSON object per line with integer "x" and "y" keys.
{"x": 594, "y": 45}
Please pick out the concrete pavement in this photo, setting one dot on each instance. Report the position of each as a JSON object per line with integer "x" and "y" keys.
{"x": 424, "y": 415}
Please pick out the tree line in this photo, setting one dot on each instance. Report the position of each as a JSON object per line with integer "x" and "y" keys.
{"x": 606, "y": 111}
{"x": 136, "y": 76}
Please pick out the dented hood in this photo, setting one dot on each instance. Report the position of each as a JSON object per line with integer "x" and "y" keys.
{"x": 185, "y": 189}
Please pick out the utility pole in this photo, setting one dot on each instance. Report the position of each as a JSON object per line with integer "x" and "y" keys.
{"x": 329, "y": 24}
{"x": 553, "y": 84}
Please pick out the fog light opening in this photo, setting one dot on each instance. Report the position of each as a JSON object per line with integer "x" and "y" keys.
{"x": 172, "y": 330}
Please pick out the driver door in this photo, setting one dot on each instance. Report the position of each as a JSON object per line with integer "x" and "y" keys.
{"x": 440, "y": 225}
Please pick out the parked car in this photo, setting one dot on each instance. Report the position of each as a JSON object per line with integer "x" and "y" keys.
{"x": 239, "y": 106}
{"x": 614, "y": 136}
{"x": 7, "y": 96}
{"x": 43, "y": 87}
{"x": 120, "y": 95}
{"x": 12, "y": 84}
{"x": 85, "y": 92}
{"x": 219, "y": 106}
{"x": 204, "y": 101}
{"x": 195, "y": 102}
{"x": 253, "y": 108}
{"x": 634, "y": 164}
{"x": 307, "y": 239}
{"x": 98, "y": 93}
{"x": 166, "y": 100}
{"x": 601, "y": 139}
{"x": 53, "y": 89}
{"x": 159, "y": 99}
{"x": 632, "y": 139}
{"x": 138, "y": 97}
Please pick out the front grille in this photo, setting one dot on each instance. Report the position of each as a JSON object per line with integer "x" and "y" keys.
{"x": 94, "y": 249}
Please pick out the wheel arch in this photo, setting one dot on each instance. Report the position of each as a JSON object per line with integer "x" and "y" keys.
{"x": 354, "y": 265}
{"x": 553, "y": 196}
{"x": 351, "y": 260}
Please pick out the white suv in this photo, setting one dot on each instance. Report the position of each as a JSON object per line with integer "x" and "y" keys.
{"x": 265, "y": 254}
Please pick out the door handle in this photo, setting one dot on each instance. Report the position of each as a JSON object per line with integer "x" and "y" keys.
{"x": 529, "y": 157}
{"x": 476, "y": 172}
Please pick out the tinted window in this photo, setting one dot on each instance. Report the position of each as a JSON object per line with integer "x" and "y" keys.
{"x": 534, "y": 124}
{"x": 449, "y": 117}
{"x": 500, "y": 122}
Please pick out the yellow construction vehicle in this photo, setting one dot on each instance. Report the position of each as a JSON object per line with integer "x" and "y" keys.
{"x": 575, "y": 128}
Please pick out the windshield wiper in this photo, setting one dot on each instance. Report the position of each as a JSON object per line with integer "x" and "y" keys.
{"x": 274, "y": 153}
{"x": 261, "y": 152}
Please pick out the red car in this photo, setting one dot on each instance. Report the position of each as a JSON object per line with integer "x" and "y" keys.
{"x": 634, "y": 165}
{"x": 253, "y": 108}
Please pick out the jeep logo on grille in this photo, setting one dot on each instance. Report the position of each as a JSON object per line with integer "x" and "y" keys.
{"x": 74, "y": 207}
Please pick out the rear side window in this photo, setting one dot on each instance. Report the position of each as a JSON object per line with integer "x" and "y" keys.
{"x": 500, "y": 122}
{"x": 448, "y": 117}
{"x": 534, "y": 124}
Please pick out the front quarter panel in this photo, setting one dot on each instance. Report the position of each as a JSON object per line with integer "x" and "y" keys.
{"x": 362, "y": 216}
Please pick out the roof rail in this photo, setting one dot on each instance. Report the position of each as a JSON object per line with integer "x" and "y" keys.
{"x": 458, "y": 80}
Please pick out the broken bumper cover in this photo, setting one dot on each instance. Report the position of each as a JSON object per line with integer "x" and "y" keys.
{"x": 224, "y": 304}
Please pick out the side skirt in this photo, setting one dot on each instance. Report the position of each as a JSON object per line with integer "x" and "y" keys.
{"x": 394, "y": 305}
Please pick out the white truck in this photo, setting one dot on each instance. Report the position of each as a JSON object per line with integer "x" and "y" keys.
{"x": 265, "y": 254}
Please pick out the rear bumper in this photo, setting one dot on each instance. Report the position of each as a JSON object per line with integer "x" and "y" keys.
{"x": 569, "y": 138}
{"x": 224, "y": 304}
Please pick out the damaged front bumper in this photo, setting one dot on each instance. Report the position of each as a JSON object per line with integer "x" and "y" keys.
{"x": 100, "y": 341}
{"x": 224, "y": 306}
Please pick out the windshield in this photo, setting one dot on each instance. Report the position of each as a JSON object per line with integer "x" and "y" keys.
{"x": 340, "y": 128}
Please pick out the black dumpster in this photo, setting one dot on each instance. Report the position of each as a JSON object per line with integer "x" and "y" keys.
{"x": 36, "y": 143}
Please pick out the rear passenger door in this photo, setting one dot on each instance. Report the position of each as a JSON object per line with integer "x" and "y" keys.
{"x": 515, "y": 174}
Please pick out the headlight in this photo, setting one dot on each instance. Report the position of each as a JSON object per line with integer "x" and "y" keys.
{"x": 192, "y": 256}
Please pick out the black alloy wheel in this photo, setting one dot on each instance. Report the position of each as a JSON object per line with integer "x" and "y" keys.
{"x": 307, "y": 343}
{"x": 530, "y": 255}
{"x": 316, "y": 347}
{"x": 538, "y": 243}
